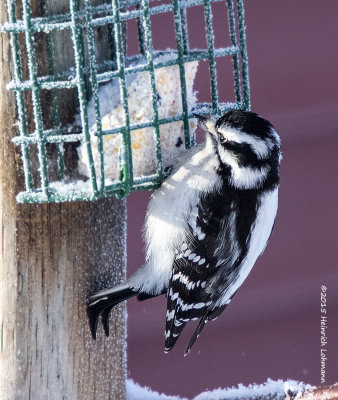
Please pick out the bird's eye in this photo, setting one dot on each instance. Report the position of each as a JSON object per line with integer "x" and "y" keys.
{"x": 222, "y": 138}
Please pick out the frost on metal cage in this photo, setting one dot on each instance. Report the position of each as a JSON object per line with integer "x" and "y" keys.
{"x": 95, "y": 127}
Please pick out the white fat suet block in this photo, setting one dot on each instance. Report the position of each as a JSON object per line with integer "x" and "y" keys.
{"x": 143, "y": 143}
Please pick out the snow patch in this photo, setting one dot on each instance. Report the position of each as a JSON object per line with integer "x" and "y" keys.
{"x": 278, "y": 388}
{"x": 136, "y": 392}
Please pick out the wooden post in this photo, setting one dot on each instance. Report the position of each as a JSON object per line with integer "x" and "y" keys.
{"x": 53, "y": 256}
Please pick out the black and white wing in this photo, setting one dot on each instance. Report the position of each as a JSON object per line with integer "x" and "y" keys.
{"x": 207, "y": 262}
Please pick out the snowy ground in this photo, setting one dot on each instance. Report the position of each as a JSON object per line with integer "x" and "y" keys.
{"x": 272, "y": 389}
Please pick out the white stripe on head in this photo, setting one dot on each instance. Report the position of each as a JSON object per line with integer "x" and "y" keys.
{"x": 260, "y": 147}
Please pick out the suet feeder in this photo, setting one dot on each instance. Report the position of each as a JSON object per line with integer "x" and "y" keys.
{"x": 90, "y": 73}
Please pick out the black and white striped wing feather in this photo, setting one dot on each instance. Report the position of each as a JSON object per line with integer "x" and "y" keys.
{"x": 207, "y": 262}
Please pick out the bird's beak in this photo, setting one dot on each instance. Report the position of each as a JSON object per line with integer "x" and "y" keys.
{"x": 201, "y": 118}
{"x": 207, "y": 122}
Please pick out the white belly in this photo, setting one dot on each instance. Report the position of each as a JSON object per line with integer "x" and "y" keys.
{"x": 168, "y": 214}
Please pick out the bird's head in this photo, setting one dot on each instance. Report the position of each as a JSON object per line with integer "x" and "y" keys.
{"x": 247, "y": 146}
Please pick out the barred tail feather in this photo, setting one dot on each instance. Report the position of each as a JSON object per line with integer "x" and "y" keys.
{"x": 172, "y": 335}
{"x": 195, "y": 335}
{"x": 173, "y": 326}
{"x": 208, "y": 316}
{"x": 102, "y": 303}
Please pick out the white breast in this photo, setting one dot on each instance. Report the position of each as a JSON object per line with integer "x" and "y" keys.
{"x": 168, "y": 214}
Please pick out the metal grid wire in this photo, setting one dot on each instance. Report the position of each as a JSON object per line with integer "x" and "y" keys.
{"x": 113, "y": 15}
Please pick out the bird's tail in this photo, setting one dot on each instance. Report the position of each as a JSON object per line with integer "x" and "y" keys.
{"x": 102, "y": 303}
{"x": 208, "y": 316}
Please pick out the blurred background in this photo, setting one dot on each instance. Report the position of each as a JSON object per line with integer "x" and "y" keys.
{"x": 272, "y": 327}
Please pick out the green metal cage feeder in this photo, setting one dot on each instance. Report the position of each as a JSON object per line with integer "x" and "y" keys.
{"x": 89, "y": 72}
